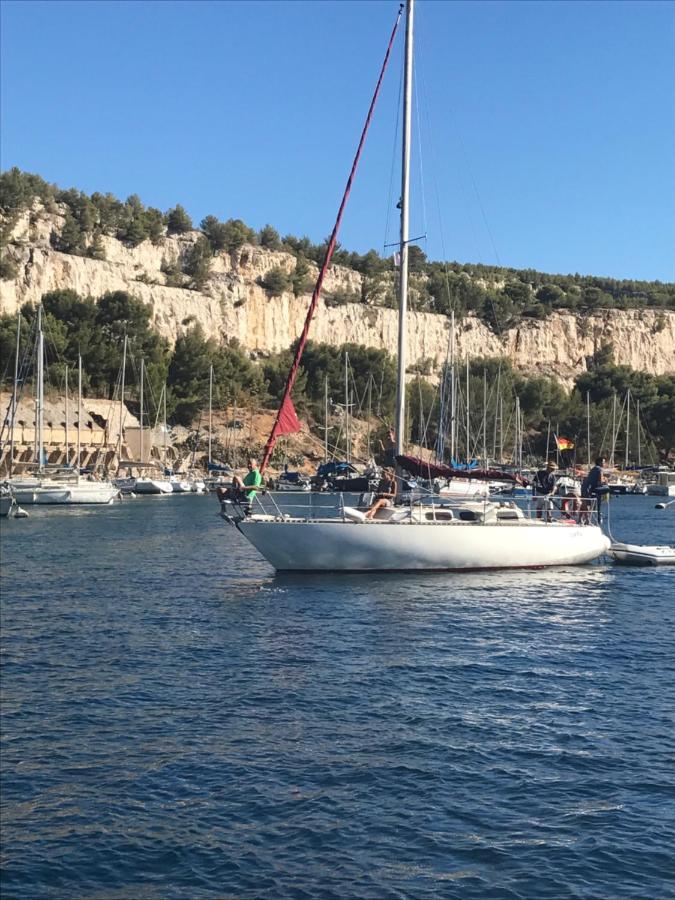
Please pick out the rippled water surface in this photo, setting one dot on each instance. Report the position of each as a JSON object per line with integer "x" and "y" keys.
{"x": 179, "y": 722}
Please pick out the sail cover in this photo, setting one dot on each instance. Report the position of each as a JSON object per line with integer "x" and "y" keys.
{"x": 420, "y": 468}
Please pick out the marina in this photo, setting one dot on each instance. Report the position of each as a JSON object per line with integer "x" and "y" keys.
{"x": 168, "y": 715}
{"x": 337, "y": 564}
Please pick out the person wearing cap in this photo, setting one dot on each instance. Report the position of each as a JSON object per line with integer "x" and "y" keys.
{"x": 545, "y": 484}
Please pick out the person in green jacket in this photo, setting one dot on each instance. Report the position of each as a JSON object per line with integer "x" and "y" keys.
{"x": 253, "y": 479}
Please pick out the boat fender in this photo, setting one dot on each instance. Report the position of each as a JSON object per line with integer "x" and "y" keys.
{"x": 354, "y": 514}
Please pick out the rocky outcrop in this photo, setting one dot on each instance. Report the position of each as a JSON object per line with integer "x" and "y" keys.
{"x": 233, "y": 304}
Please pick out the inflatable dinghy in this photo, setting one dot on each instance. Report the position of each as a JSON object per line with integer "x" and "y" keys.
{"x": 637, "y": 555}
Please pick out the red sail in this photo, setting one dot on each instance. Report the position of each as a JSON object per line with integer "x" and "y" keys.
{"x": 287, "y": 419}
{"x": 277, "y": 428}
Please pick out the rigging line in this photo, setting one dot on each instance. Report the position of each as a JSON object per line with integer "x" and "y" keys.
{"x": 470, "y": 217}
{"x": 434, "y": 162}
{"x": 418, "y": 121}
{"x": 394, "y": 165}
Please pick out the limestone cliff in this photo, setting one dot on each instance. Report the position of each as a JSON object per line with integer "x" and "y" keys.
{"x": 234, "y": 305}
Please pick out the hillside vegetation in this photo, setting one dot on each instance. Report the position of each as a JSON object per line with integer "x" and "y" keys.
{"x": 95, "y": 329}
{"x": 500, "y": 296}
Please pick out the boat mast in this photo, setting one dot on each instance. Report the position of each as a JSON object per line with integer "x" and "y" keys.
{"x": 210, "y": 407}
{"x": 39, "y": 401}
{"x": 627, "y": 427}
{"x": 588, "y": 427}
{"x": 325, "y": 418}
{"x": 497, "y": 396}
{"x": 16, "y": 381}
{"x": 124, "y": 369}
{"x": 468, "y": 449}
{"x": 79, "y": 411}
{"x": 639, "y": 448}
{"x": 452, "y": 389}
{"x": 485, "y": 459}
{"x": 165, "y": 425}
{"x": 67, "y": 444}
{"x": 557, "y": 445}
{"x": 347, "y": 435}
{"x": 405, "y": 220}
{"x": 611, "y": 462}
{"x": 141, "y": 436}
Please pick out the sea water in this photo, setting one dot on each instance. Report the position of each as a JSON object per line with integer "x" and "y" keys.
{"x": 179, "y": 722}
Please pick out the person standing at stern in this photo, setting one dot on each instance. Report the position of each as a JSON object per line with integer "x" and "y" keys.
{"x": 544, "y": 486}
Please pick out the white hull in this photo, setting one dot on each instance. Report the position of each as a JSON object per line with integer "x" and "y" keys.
{"x": 661, "y": 490}
{"x": 152, "y": 486}
{"x": 181, "y": 487}
{"x": 637, "y": 555}
{"x": 325, "y": 546}
{"x": 50, "y": 493}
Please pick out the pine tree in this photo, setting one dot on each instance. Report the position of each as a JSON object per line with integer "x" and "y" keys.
{"x": 178, "y": 221}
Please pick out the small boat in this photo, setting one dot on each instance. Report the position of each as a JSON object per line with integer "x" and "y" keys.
{"x": 6, "y": 502}
{"x": 664, "y": 485}
{"x": 293, "y": 481}
{"x": 180, "y": 485}
{"x": 146, "y": 485}
{"x": 638, "y": 555}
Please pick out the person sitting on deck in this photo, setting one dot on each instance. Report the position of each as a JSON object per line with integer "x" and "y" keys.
{"x": 251, "y": 481}
{"x": 571, "y": 505}
{"x": 386, "y": 491}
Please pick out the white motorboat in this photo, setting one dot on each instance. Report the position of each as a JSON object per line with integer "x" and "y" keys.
{"x": 639, "y": 555}
{"x": 424, "y": 538}
{"x": 664, "y": 485}
{"x": 180, "y": 485}
{"x": 47, "y": 491}
{"x": 6, "y": 501}
{"x": 146, "y": 485}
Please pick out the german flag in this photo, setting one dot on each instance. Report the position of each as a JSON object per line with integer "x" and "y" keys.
{"x": 563, "y": 443}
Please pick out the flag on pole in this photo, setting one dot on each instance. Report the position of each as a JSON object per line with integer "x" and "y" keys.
{"x": 563, "y": 443}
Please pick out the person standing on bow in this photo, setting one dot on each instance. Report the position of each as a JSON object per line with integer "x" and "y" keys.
{"x": 545, "y": 483}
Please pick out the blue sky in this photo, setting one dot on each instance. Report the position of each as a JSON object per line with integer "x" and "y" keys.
{"x": 545, "y": 137}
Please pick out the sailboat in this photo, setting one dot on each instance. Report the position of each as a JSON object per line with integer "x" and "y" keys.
{"x": 147, "y": 484}
{"x": 481, "y": 535}
{"x": 65, "y": 486}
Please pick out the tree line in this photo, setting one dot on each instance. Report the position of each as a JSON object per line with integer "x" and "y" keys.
{"x": 500, "y": 296}
{"x": 95, "y": 330}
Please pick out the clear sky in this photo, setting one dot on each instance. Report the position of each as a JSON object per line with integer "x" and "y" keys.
{"x": 545, "y": 138}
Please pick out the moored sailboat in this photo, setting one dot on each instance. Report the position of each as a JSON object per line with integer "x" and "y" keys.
{"x": 482, "y": 535}
{"x": 68, "y": 485}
